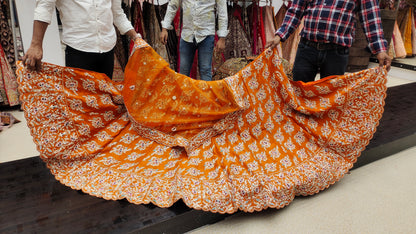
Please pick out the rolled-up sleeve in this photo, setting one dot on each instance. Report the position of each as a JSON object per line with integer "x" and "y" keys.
{"x": 222, "y": 18}
{"x": 173, "y": 7}
{"x": 371, "y": 21}
{"x": 292, "y": 18}
{"x": 44, "y": 10}
{"x": 119, "y": 17}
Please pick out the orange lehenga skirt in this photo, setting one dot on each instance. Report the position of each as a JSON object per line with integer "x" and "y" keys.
{"x": 248, "y": 142}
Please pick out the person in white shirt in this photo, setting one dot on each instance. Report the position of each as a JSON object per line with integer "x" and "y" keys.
{"x": 198, "y": 32}
{"x": 87, "y": 31}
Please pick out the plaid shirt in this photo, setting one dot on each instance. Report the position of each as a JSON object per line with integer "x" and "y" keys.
{"x": 333, "y": 21}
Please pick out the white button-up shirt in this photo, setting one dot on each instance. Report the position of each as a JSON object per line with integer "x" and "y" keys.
{"x": 198, "y": 18}
{"x": 87, "y": 25}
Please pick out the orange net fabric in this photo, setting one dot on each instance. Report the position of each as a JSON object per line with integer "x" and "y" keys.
{"x": 248, "y": 142}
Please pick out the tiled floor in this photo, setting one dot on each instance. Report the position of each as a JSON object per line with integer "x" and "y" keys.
{"x": 16, "y": 142}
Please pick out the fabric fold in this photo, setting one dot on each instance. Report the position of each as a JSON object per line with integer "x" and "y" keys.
{"x": 260, "y": 140}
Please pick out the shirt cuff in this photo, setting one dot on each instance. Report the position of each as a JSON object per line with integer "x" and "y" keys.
{"x": 42, "y": 15}
{"x": 281, "y": 35}
{"x": 123, "y": 28}
{"x": 379, "y": 46}
{"x": 166, "y": 25}
{"x": 222, "y": 33}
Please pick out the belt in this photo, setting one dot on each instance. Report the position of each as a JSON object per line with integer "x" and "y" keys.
{"x": 320, "y": 45}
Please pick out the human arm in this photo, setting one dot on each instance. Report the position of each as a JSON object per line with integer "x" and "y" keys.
{"x": 291, "y": 21}
{"x": 222, "y": 24}
{"x": 222, "y": 15}
{"x": 42, "y": 18}
{"x": 164, "y": 36}
{"x": 133, "y": 35}
{"x": 369, "y": 16}
{"x": 171, "y": 10}
{"x": 33, "y": 56}
{"x": 220, "y": 46}
{"x": 273, "y": 43}
{"x": 384, "y": 60}
{"x": 121, "y": 22}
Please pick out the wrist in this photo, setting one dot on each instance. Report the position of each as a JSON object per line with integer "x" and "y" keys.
{"x": 35, "y": 43}
{"x": 135, "y": 36}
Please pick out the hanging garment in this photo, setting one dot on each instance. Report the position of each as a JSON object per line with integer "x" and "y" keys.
{"x": 230, "y": 67}
{"x": 262, "y": 30}
{"x": 399, "y": 50}
{"x": 268, "y": 20}
{"x": 152, "y": 30}
{"x": 280, "y": 15}
{"x": 121, "y": 53}
{"x": 137, "y": 18}
{"x": 403, "y": 16}
{"x": 295, "y": 42}
{"x": 246, "y": 15}
{"x": 391, "y": 51}
{"x": 118, "y": 72}
{"x": 408, "y": 41}
{"x": 269, "y": 28}
{"x": 218, "y": 58}
{"x": 255, "y": 28}
{"x": 233, "y": 65}
{"x": 172, "y": 42}
{"x": 248, "y": 142}
{"x": 6, "y": 37}
{"x": 413, "y": 19}
{"x": 178, "y": 28}
{"x": 8, "y": 85}
{"x": 121, "y": 49}
{"x": 237, "y": 41}
{"x": 290, "y": 45}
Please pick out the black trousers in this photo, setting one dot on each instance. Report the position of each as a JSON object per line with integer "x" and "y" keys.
{"x": 309, "y": 61}
{"x": 98, "y": 62}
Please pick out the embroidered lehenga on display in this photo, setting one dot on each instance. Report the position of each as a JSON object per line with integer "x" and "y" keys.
{"x": 9, "y": 94}
{"x": 6, "y": 38}
{"x": 248, "y": 142}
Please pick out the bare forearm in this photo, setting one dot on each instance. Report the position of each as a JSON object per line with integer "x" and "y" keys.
{"x": 34, "y": 54}
{"x": 39, "y": 29}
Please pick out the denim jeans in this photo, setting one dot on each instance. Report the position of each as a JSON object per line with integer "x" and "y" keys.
{"x": 309, "y": 61}
{"x": 205, "y": 50}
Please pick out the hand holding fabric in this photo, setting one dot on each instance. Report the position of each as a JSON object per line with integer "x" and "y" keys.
{"x": 33, "y": 57}
{"x": 164, "y": 36}
{"x": 384, "y": 60}
{"x": 133, "y": 35}
{"x": 273, "y": 43}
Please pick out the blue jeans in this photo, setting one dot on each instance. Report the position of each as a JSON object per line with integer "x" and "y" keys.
{"x": 309, "y": 61}
{"x": 205, "y": 50}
